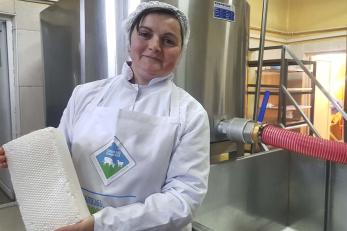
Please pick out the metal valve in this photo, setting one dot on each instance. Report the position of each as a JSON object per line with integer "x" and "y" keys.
{"x": 240, "y": 129}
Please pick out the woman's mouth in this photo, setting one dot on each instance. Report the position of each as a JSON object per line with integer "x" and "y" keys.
{"x": 152, "y": 57}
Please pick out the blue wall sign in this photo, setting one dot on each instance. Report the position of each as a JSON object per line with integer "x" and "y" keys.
{"x": 224, "y": 11}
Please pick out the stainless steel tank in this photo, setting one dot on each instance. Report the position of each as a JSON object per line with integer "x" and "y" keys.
{"x": 82, "y": 42}
{"x": 213, "y": 70}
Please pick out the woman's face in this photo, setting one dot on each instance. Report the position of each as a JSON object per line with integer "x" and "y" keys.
{"x": 155, "y": 47}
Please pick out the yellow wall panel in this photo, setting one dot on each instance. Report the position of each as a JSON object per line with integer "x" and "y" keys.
{"x": 307, "y": 15}
{"x": 291, "y": 17}
{"x": 277, "y": 18}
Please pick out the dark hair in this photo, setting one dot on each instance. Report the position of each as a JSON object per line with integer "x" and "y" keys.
{"x": 155, "y": 10}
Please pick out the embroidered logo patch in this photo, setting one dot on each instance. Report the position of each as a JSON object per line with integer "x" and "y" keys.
{"x": 112, "y": 161}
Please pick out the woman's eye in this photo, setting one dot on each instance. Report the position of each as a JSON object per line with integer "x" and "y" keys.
{"x": 144, "y": 34}
{"x": 169, "y": 42}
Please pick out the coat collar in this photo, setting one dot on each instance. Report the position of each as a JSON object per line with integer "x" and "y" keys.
{"x": 128, "y": 74}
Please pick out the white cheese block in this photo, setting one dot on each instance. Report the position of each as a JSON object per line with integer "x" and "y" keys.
{"x": 44, "y": 180}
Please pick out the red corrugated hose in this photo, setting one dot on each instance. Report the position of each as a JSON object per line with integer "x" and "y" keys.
{"x": 304, "y": 144}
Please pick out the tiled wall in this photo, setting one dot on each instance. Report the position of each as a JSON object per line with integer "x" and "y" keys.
{"x": 27, "y": 61}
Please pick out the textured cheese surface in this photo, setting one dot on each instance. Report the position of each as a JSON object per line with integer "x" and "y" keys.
{"x": 44, "y": 180}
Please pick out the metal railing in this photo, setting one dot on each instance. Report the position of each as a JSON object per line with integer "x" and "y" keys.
{"x": 320, "y": 86}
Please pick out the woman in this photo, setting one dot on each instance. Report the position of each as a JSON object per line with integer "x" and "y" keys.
{"x": 140, "y": 145}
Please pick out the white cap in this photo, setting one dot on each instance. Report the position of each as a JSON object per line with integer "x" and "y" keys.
{"x": 181, "y": 17}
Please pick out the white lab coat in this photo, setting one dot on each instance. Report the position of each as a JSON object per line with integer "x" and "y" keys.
{"x": 141, "y": 152}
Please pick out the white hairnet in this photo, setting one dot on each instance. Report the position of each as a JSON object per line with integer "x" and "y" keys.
{"x": 181, "y": 17}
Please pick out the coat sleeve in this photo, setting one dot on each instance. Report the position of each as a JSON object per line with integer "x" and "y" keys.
{"x": 182, "y": 193}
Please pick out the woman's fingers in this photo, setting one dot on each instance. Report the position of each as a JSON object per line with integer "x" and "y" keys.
{"x": 3, "y": 161}
{"x": 85, "y": 225}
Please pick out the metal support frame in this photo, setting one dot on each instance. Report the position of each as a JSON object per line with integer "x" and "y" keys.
{"x": 283, "y": 80}
{"x": 296, "y": 105}
{"x": 260, "y": 66}
{"x": 260, "y": 58}
{"x": 325, "y": 92}
{"x": 283, "y": 63}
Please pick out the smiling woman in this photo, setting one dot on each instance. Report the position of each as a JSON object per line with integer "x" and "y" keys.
{"x": 139, "y": 143}
{"x": 155, "y": 47}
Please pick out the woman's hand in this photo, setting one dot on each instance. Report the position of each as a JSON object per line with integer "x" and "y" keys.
{"x": 3, "y": 161}
{"x": 84, "y": 225}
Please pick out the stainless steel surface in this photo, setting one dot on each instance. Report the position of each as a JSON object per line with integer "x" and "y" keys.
{"x": 237, "y": 129}
{"x": 5, "y": 101}
{"x": 10, "y": 219}
{"x": 61, "y": 54}
{"x": 199, "y": 227}
{"x": 306, "y": 193}
{"x": 4, "y": 199}
{"x": 260, "y": 58}
{"x": 5, "y": 111}
{"x": 80, "y": 39}
{"x": 248, "y": 194}
{"x": 338, "y": 198}
{"x": 320, "y": 86}
{"x": 327, "y": 196}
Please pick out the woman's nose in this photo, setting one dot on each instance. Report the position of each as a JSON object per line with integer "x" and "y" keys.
{"x": 154, "y": 44}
